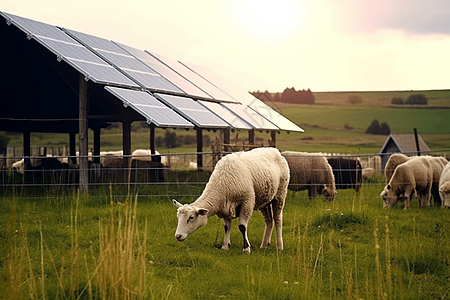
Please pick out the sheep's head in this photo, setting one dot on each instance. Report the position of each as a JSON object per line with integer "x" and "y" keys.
{"x": 329, "y": 192}
{"x": 444, "y": 192}
{"x": 390, "y": 197}
{"x": 189, "y": 219}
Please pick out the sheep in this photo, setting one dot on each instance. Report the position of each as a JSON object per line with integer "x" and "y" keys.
{"x": 393, "y": 161}
{"x": 19, "y": 166}
{"x": 437, "y": 165}
{"x": 444, "y": 186}
{"x": 368, "y": 172}
{"x": 310, "y": 172}
{"x": 240, "y": 183}
{"x": 413, "y": 176}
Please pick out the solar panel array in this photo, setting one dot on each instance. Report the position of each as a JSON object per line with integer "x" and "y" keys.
{"x": 234, "y": 120}
{"x": 128, "y": 64}
{"x": 166, "y": 86}
{"x": 266, "y": 112}
{"x": 193, "y": 111}
{"x": 70, "y": 51}
{"x": 166, "y": 72}
{"x": 154, "y": 111}
{"x": 208, "y": 88}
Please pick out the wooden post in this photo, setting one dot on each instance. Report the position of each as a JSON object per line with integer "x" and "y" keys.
{"x": 199, "y": 149}
{"x": 226, "y": 139}
{"x": 152, "y": 140}
{"x": 72, "y": 148}
{"x": 251, "y": 136}
{"x": 126, "y": 144}
{"x": 96, "y": 153}
{"x": 273, "y": 137}
{"x": 416, "y": 137}
{"x": 83, "y": 134}
{"x": 26, "y": 150}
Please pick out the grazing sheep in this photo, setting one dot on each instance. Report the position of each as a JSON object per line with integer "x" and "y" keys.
{"x": 444, "y": 186}
{"x": 437, "y": 165}
{"x": 347, "y": 172}
{"x": 19, "y": 166}
{"x": 310, "y": 172}
{"x": 240, "y": 183}
{"x": 393, "y": 161}
{"x": 414, "y": 175}
{"x": 368, "y": 172}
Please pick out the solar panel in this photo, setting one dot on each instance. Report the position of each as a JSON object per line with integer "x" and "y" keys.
{"x": 193, "y": 111}
{"x": 135, "y": 69}
{"x": 70, "y": 51}
{"x": 166, "y": 72}
{"x": 225, "y": 114}
{"x": 205, "y": 86}
{"x": 251, "y": 116}
{"x": 260, "y": 107}
{"x": 273, "y": 116}
{"x": 150, "y": 108}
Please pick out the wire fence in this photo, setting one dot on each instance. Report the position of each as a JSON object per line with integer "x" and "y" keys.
{"x": 181, "y": 174}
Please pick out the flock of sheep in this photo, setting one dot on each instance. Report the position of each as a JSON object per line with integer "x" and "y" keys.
{"x": 242, "y": 182}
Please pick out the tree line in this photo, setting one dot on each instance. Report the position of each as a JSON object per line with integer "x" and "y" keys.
{"x": 289, "y": 95}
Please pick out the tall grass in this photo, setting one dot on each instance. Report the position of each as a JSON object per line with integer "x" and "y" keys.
{"x": 109, "y": 248}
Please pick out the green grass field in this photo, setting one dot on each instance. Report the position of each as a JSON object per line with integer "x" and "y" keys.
{"x": 55, "y": 245}
{"x": 107, "y": 247}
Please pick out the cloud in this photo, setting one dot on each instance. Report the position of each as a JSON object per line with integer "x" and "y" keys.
{"x": 413, "y": 16}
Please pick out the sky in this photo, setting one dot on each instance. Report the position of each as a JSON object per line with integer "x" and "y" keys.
{"x": 250, "y": 45}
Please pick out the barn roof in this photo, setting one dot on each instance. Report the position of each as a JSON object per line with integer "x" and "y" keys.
{"x": 404, "y": 143}
{"x": 42, "y": 64}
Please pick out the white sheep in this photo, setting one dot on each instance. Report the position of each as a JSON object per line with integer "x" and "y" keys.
{"x": 444, "y": 186}
{"x": 19, "y": 166}
{"x": 239, "y": 184}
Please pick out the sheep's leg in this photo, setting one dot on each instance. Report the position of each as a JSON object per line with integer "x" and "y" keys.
{"x": 277, "y": 207}
{"x": 227, "y": 227}
{"x": 266, "y": 212}
{"x": 244, "y": 217}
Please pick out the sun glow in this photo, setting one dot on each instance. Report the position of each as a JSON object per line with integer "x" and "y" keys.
{"x": 271, "y": 21}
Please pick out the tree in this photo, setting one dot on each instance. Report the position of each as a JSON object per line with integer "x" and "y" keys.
{"x": 417, "y": 99}
{"x": 397, "y": 101}
{"x": 385, "y": 130}
{"x": 170, "y": 140}
{"x": 376, "y": 128}
{"x": 354, "y": 99}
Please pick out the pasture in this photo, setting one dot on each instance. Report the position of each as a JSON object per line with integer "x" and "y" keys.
{"x": 111, "y": 246}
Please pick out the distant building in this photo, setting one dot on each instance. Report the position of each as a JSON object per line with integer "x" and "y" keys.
{"x": 401, "y": 143}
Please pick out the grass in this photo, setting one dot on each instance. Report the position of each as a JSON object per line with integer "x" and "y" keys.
{"x": 103, "y": 246}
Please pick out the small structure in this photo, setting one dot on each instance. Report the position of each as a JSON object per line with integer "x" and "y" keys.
{"x": 402, "y": 143}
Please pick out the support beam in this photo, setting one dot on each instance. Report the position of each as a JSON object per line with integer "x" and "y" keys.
{"x": 72, "y": 148}
{"x": 199, "y": 149}
{"x": 126, "y": 143}
{"x": 96, "y": 153}
{"x": 273, "y": 139}
{"x": 27, "y": 149}
{"x": 152, "y": 141}
{"x": 226, "y": 139}
{"x": 416, "y": 138}
{"x": 251, "y": 137}
{"x": 83, "y": 134}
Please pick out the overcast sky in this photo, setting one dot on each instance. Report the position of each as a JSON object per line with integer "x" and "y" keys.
{"x": 324, "y": 45}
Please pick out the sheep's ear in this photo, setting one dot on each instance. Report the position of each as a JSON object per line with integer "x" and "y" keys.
{"x": 202, "y": 211}
{"x": 176, "y": 203}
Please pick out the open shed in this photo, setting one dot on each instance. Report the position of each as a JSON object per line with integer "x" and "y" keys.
{"x": 55, "y": 79}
